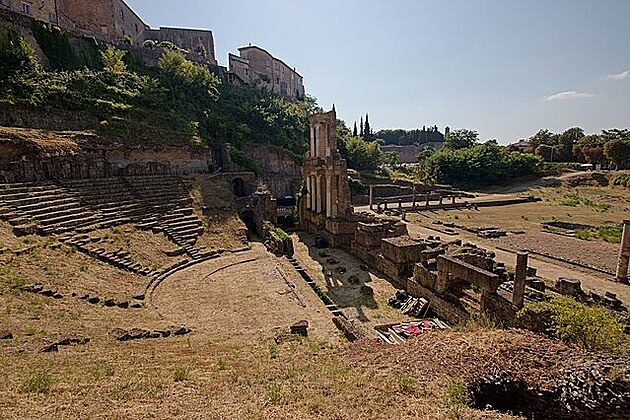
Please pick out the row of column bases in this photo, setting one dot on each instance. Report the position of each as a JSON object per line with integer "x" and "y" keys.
{"x": 316, "y": 192}
{"x": 414, "y": 202}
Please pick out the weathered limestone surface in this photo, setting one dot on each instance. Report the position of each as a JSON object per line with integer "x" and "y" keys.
{"x": 34, "y": 155}
{"x": 280, "y": 173}
{"x": 451, "y": 269}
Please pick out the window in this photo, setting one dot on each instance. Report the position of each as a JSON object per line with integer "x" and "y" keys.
{"x": 26, "y": 8}
{"x": 136, "y": 27}
{"x": 122, "y": 14}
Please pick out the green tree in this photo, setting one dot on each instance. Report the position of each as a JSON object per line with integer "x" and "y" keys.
{"x": 461, "y": 139}
{"x": 367, "y": 131}
{"x": 542, "y": 137}
{"x": 481, "y": 164}
{"x": 618, "y": 151}
{"x": 590, "y": 149}
{"x": 112, "y": 59}
{"x": 191, "y": 87}
{"x": 354, "y": 131}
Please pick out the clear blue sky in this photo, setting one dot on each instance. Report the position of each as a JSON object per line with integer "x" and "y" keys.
{"x": 505, "y": 68}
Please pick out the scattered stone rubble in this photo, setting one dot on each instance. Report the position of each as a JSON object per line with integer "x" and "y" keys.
{"x": 409, "y": 305}
{"x": 141, "y": 334}
{"x": 589, "y": 389}
{"x": 66, "y": 341}
{"x": 92, "y": 299}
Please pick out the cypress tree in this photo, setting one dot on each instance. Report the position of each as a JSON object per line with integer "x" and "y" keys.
{"x": 354, "y": 132}
{"x": 367, "y": 132}
{"x": 361, "y": 134}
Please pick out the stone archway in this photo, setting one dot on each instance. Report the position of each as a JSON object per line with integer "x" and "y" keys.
{"x": 238, "y": 187}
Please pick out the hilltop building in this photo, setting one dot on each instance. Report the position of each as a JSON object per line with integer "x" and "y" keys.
{"x": 255, "y": 66}
{"x": 112, "y": 20}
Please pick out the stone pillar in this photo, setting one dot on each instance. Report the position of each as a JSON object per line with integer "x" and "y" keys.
{"x": 309, "y": 193}
{"x": 413, "y": 200}
{"x": 329, "y": 196}
{"x": 371, "y": 197}
{"x": 320, "y": 199}
{"x": 518, "y": 296}
{"x": 453, "y": 198}
{"x": 624, "y": 253}
{"x": 313, "y": 150}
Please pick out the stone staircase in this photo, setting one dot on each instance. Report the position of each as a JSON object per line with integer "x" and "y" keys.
{"x": 69, "y": 209}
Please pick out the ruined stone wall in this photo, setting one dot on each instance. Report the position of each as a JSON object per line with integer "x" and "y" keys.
{"x": 452, "y": 312}
{"x": 59, "y": 120}
{"x": 31, "y": 155}
{"x": 188, "y": 39}
{"x": 157, "y": 160}
{"x": 44, "y": 10}
{"x": 281, "y": 174}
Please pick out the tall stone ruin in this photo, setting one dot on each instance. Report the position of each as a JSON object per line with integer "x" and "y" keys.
{"x": 326, "y": 202}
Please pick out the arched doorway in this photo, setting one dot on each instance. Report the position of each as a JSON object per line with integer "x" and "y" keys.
{"x": 238, "y": 187}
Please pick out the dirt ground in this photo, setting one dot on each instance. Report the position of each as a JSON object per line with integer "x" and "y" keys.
{"x": 246, "y": 294}
{"x": 367, "y": 310}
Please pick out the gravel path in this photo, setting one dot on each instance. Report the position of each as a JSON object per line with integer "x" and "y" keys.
{"x": 601, "y": 255}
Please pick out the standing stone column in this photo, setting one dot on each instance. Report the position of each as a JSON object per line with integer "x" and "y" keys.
{"x": 518, "y": 296}
{"x": 309, "y": 192}
{"x": 320, "y": 198}
{"x": 328, "y": 196}
{"x": 624, "y": 253}
{"x": 313, "y": 149}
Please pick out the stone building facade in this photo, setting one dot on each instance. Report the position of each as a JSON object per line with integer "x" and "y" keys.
{"x": 113, "y": 20}
{"x": 45, "y": 10}
{"x": 199, "y": 42}
{"x": 255, "y": 66}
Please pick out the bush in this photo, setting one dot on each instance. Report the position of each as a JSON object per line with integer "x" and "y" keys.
{"x": 622, "y": 180}
{"x": 594, "y": 328}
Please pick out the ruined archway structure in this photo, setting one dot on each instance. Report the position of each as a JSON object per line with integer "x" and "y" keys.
{"x": 326, "y": 205}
